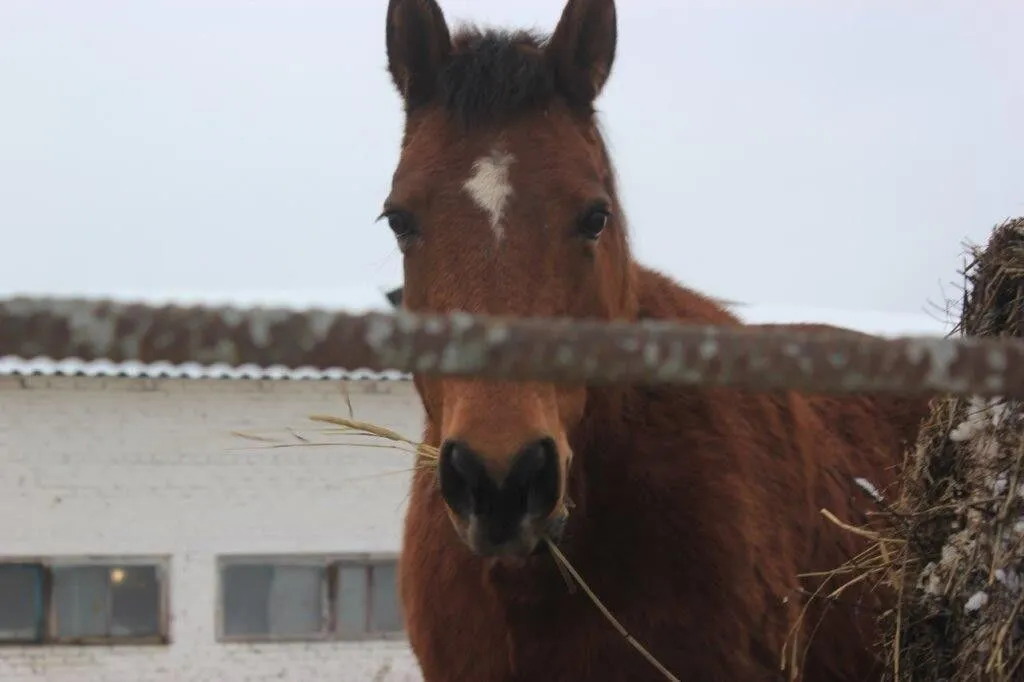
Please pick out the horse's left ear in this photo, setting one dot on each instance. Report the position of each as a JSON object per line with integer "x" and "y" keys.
{"x": 418, "y": 45}
{"x": 582, "y": 48}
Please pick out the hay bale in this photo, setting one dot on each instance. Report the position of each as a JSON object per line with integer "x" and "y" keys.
{"x": 956, "y": 531}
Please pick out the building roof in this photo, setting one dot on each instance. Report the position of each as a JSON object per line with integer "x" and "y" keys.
{"x": 175, "y": 337}
{"x": 183, "y": 335}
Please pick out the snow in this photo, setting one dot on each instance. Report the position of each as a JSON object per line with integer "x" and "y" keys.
{"x": 356, "y": 299}
{"x": 882, "y": 323}
{"x": 977, "y": 600}
{"x": 868, "y": 487}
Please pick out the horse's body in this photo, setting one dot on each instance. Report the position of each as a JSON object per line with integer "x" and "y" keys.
{"x": 693, "y": 511}
{"x": 696, "y": 549}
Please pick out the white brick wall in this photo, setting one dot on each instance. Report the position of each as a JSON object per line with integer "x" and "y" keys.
{"x": 142, "y": 466}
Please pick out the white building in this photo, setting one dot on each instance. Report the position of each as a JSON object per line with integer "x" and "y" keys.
{"x": 183, "y": 552}
{"x": 142, "y": 539}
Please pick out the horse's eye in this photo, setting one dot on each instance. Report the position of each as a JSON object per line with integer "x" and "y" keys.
{"x": 593, "y": 222}
{"x": 401, "y": 223}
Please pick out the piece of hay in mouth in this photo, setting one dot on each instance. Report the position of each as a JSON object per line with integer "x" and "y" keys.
{"x": 354, "y": 426}
{"x": 427, "y": 452}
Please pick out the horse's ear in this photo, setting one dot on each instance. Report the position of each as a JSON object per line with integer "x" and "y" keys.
{"x": 395, "y": 297}
{"x": 582, "y": 48}
{"x": 418, "y": 44}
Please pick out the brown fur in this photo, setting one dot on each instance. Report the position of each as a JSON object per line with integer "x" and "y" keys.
{"x": 694, "y": 510}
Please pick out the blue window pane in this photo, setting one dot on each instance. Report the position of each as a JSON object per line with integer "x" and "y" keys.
{"x": 385, "y": 611}
{"x": 246, "y": 591}
{"x": 296, "y": 601}
{"x": 81, "y": 600}
{"x": 134, "y": 601}
{"x": 283, "y": 601}
{"x": 350, "y": 604}
{"x": 21, "y": 602}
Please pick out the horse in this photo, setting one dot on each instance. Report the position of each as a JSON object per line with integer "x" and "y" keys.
{"x": 691, "y": 512}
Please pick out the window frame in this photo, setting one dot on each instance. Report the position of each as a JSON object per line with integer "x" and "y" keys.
{"x": 161, "y": 563}
{"x": 330, "y": 563}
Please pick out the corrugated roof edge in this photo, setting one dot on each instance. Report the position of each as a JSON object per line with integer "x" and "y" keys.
{"x": 73, "y": 367}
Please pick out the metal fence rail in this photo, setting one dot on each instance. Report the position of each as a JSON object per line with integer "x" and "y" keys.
{"x": 561, "y": 350}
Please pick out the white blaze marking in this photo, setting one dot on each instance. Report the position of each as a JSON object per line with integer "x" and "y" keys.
{"x": 490, "y": 189}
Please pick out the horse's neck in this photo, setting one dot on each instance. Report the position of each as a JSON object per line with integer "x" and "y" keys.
{"x": 607, "y": 440}
{"x": 661, "y": 298}
{"x": 657, "y": 297}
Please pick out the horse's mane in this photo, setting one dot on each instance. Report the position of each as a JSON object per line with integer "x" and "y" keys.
{"x": 494, "y": 76}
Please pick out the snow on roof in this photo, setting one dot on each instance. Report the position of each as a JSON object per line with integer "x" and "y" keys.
{"x": 355, "y": 299}
{"x": 880, "y": 323}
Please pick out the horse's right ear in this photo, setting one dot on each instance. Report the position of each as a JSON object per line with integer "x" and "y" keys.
{"x": 418, "y": 44}
{"x": 582, "y": 48}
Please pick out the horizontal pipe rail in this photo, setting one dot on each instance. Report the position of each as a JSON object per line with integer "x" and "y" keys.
{"x": 572, "y": 351}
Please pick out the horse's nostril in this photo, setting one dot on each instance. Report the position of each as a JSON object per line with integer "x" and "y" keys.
{"x": 460, "y": 472}
{"x": 534, "y": 473}
{"x": 466, "y": 462}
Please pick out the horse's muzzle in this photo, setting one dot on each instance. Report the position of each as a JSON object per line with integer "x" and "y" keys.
{"x": 507, "y": 517}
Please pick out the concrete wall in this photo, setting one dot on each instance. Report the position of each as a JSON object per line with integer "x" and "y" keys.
{"x": 141, "y": 466}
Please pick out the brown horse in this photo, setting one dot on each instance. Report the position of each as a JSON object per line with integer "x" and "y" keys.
{"x": 692, "y": 512}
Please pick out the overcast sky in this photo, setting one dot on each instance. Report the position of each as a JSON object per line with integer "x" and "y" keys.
{"x": 828, "y": 154}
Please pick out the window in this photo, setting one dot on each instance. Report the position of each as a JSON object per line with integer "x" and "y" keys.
{"x": 305, "y": 598}
{"x": 83, "y": 602}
